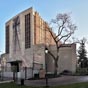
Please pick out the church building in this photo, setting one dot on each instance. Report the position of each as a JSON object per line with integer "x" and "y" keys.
{"x": 26, "y": 38}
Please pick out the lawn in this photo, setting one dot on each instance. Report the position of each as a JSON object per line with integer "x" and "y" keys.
{"x": 76, "y": 85}
{"x": 13, "y": 85}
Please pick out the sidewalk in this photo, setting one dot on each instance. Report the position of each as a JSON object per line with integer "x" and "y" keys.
{"x": 63, "y": 80}
{"x": 57, "y": 81}
{"x": 6, "y": 80}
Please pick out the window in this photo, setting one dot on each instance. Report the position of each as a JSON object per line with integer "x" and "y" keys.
{"x": 27, "y": 31}
{"x": 7, "y": 39}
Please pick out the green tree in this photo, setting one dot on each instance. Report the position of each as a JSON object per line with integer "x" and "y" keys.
{"x": 82, "y": 54}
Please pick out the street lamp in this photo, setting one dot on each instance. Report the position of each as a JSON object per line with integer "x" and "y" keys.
{"x": 1, "y": 75}
{"x": 46, "y": 50}
{"x": 46, "y": 77}
{"x": 0, "y": 66}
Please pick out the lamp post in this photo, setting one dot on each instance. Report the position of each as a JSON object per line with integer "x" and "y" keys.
{"x": 46, "y": 77}
{"x": 0, "y": 66}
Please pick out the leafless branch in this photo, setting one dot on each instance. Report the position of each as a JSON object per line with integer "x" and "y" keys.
{"x": 52, "y": 55}
{"x": 52, "y": 35}
{"x": 63, "y": 37}
{"x": 67, "y": 38}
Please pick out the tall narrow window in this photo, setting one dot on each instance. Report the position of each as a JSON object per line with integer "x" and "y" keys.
{"x": 7, "y": 39}
{"x": 27, "y": 31}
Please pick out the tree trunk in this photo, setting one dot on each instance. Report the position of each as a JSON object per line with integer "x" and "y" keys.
{"x": 56, "y": 67}
{"x": 56, "y": 62}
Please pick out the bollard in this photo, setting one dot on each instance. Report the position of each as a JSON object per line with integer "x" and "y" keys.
{"x": 22, "y": 81}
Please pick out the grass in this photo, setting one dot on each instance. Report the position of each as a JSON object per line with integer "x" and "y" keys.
{"x": 76, "y": 85}
{"x": 12, "y": 85}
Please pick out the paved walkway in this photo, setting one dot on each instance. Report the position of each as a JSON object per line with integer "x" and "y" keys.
{"x": 57, "y": 81}
{"x": 6, "y": 81}
{"x": 63, "y": 80}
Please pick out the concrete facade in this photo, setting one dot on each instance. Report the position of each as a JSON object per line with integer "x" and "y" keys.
{"x": 67, "y": 58}
{"x": 34, "y": 57}
{"x": 38, "y": 34}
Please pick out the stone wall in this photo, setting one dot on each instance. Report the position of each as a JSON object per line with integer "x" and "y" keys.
{"x": 67, "y": 59}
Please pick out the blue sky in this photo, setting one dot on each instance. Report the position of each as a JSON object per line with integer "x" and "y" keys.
{"x": 48, "y": 10}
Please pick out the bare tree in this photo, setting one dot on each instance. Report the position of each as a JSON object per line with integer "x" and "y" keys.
{"x": 64, "y": 29}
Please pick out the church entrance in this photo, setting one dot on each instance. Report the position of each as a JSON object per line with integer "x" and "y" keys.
{"x": 15, "y": 68}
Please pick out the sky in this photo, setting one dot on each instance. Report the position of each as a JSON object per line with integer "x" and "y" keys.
{"x": 47, "y": 9}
